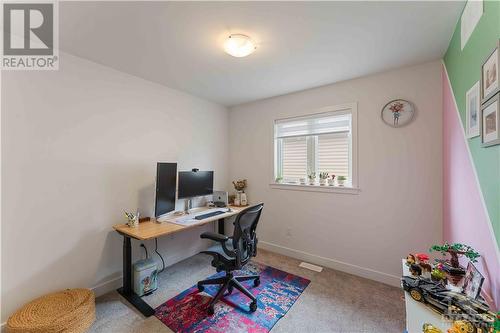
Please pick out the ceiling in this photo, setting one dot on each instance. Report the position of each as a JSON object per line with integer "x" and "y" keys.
{"x": 301, "y": 45}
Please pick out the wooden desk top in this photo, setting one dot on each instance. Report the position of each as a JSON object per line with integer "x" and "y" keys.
{"x": 152, "y": 229}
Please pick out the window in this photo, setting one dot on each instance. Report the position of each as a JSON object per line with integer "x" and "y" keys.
{"x": 321, "y": 142}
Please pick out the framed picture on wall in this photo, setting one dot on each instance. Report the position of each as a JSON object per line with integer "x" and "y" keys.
{"x": 472, "y": 108}
{"x": 490, "y": 75}
{"x": 473, "y": 282}
{"x": 490, "y": 122}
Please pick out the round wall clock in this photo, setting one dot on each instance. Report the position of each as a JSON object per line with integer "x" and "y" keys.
{"x": 398, "y": 112}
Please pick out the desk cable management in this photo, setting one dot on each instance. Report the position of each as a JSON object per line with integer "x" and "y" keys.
{"x": 159, "y": 255}
{"x": 156, "y": 251}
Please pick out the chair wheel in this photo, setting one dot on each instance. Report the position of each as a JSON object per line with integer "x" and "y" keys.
{"x": 253, "y": 306}
{"x": 256, "y": 282}
{"x": 200, "y": 288}
{"x": 210, "y": 310}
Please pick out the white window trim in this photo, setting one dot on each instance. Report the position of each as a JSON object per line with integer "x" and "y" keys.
{"x": 351, "y": 188}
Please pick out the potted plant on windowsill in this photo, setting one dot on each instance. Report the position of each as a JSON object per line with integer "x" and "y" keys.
{"x": 341, "y": 180}
{"x": 452, "y": 266}
{"x": 323, "y": 176}
{"x": 331, "y": 180}
{"x": 312, "y": 178}
{"x": 279, "y": 180}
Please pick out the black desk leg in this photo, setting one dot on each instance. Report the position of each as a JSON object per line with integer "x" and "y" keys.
{"x": 221, "y": 227}
{"x": 127, "y": 291}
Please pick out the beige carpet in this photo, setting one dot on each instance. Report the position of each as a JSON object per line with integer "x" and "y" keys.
{"x": 333, "y": 301}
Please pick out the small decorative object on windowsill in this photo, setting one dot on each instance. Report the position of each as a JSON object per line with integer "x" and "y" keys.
{"x": 398, "y": 113}
{"x": 132, "y": 220}
{"x": 331, "y": 180}
{"x": 279, "y": 180}
{"x": 452, "y": 267}
{"x": 323, "y": 176}
{"x": 341, "y": 180}
{"x": 312, "y": 178}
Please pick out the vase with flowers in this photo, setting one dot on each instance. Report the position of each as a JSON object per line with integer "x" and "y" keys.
{"x": 241, "y": 197}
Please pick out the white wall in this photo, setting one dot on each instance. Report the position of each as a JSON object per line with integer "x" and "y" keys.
{"x": 398, "y": 210}
{"x": 80, "y": 146}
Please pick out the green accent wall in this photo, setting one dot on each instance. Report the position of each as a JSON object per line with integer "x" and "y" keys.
{"x": 464, "y": 70}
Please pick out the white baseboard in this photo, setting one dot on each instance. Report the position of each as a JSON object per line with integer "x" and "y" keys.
{"x": 368, "y": 273}
{"x": 107, "y": 286}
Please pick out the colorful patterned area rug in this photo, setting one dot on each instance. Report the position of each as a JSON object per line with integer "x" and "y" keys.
{"x": 277, "y": 292}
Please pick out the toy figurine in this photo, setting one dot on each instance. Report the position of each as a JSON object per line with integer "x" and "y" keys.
{"x": 496, "y": 324}
{"x": 461, "y": 326}
{"x": 410, "y": 259}
{"x": 415, "y": 270}
{"x": 429, "y": 328}
{"x": 438, "y": 274}
{"x": 422, "y": 260}
{"x": 452, "y": 305}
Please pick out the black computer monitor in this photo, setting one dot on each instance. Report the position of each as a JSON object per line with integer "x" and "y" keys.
{"x": 166, "y": 184}
{"x": 195, "y": 183}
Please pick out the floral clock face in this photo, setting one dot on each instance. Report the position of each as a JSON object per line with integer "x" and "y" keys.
{"x": 398, "y": 113}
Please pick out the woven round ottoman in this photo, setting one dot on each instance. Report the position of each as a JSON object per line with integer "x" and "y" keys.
{"x": 71, "y": 310}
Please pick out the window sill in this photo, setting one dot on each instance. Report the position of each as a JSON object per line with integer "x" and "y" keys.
{"x": 316, "y": 188}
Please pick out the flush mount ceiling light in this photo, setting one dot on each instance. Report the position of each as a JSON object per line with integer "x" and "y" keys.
{"x": 239, "y": 45}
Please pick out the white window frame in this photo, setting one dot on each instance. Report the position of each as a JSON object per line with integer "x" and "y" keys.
{"x": 353, "y": 186}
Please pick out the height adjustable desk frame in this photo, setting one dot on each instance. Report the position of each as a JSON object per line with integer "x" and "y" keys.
{"x": 150, "y": 230}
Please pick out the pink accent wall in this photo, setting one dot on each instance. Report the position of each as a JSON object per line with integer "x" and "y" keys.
{"x": 464, "y": 215}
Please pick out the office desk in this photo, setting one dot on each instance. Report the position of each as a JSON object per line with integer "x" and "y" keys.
{"x": 150, "y": 230}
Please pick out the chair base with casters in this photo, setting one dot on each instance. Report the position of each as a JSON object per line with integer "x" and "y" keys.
{"x": 228, "y": 282}
{"x": 232, "y": 254}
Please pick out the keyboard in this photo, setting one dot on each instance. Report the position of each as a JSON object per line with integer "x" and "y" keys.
{"x": 195, "y": 218}
{"x": 206, "y": 216}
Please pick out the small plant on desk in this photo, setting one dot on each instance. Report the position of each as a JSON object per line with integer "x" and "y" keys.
{"x": 133, "y": 220}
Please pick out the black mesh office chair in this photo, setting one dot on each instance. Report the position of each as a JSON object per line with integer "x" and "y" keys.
{"x": 232, "y": 253}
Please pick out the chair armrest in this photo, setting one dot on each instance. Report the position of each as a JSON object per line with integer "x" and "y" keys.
{"x": 213, "y": 236}
{"x": 222, "y": 239}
